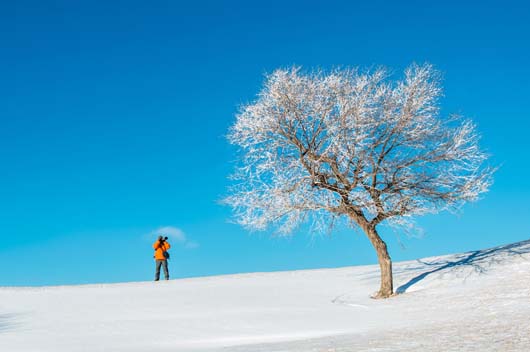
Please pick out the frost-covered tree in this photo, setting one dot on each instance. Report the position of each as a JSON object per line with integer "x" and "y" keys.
{"x": 356, "y": 146}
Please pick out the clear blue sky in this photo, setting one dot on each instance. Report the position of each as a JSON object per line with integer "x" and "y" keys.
{"x": 113, "y": 116}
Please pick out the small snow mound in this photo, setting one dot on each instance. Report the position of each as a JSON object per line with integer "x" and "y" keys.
{"x": 348, "y": 300}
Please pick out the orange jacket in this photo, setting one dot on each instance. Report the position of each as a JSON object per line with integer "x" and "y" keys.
{"x": 160, "y": 248}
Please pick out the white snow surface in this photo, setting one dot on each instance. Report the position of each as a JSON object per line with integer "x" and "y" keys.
{"x": 475, "y": 301}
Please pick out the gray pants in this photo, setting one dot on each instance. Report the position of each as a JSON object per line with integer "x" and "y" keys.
{"x": 166, "y": 271}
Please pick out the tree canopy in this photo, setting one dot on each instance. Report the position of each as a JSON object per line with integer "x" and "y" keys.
{"x": 324, "y": 146}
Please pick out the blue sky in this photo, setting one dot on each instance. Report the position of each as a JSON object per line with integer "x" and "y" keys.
{"x": 114, "y": 115}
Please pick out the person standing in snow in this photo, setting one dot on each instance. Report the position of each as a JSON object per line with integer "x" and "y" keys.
{"x": 161, "y": 256}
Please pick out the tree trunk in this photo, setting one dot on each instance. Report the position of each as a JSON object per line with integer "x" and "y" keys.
{"x": 385, "y": 263}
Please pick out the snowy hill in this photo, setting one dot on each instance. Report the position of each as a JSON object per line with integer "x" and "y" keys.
{"x": 476, "y": 301}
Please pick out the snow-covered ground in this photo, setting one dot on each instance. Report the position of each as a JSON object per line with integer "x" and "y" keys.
{"x": 476, "y": 301}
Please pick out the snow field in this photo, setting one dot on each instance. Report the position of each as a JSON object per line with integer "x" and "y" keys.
{"x": 476, "y": 301}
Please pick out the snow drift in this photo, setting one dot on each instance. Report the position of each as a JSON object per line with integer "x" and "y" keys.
{"x": 472, "y": 301}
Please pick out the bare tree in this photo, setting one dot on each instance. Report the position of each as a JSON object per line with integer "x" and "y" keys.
{"x": 347, "y": 145}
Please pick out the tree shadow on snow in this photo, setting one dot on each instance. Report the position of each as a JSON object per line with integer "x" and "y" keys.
{"x": 7, "y": 322}
{"x": 480, "y": 261}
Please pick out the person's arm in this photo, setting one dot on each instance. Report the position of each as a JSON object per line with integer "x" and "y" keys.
{"x": 156, "y": 245}
{"x": 167, "y": 246}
